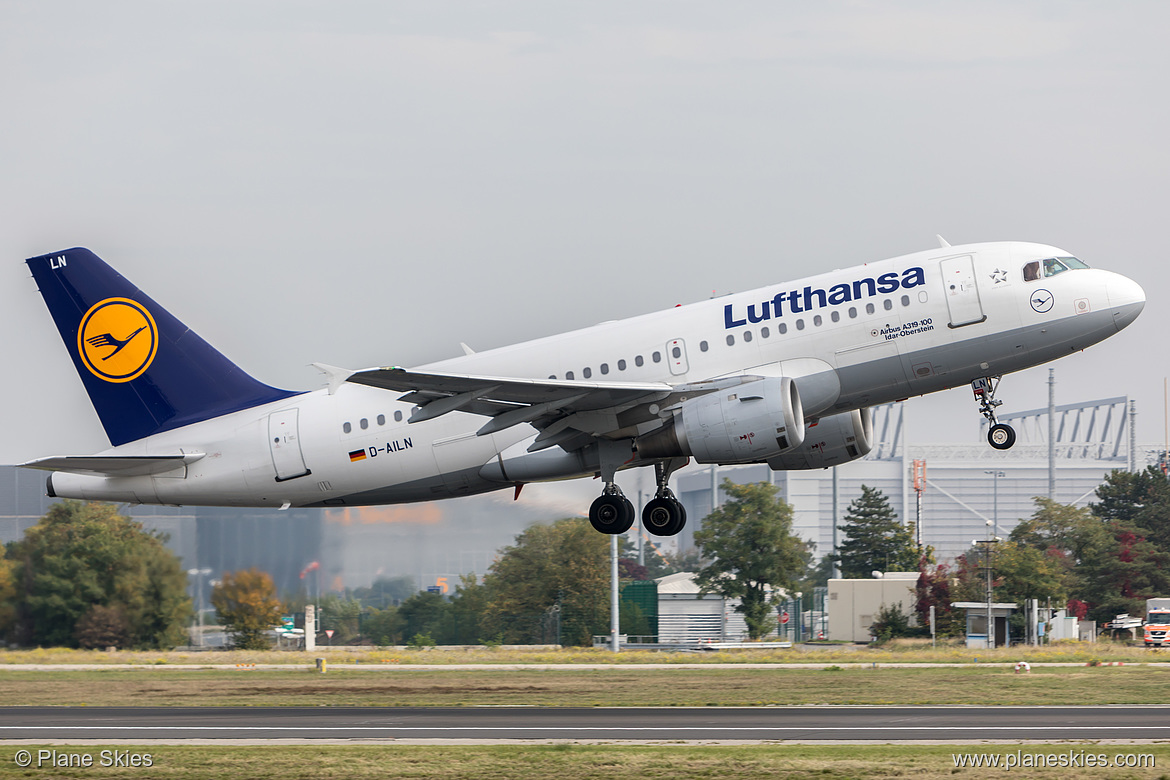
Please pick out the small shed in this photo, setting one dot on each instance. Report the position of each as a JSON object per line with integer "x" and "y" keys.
{"x": 977, "y": 637}
{"x": 853, "y": 605}
{"x": 687, "y": 616}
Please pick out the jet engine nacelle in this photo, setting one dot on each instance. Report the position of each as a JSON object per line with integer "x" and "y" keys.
{"x": 748, "y": 423}
{"x": 830, "y": 442}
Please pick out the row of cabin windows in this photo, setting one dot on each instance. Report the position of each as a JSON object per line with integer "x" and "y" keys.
{"x": 639, "y": 361}
{"x": 364, "y": 423}
{"x": 765, "y": 332}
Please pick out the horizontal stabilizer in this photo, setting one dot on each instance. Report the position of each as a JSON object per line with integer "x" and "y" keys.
{"x": 114, "y": 465}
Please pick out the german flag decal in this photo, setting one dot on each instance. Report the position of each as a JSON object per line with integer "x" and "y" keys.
{"x": 357, "y": 455}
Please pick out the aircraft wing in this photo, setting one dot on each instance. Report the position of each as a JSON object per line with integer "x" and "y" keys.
{"x": 568, "y": 414}
{"x": 114, "y": 465}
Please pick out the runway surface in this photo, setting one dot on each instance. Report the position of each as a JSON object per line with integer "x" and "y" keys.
{"x": 537, "y": 723}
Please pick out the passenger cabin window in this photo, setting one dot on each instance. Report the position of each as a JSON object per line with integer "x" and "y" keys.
{"x": 621, "y": 365}
{"x": 764, "y": 332}
{"x": 605, "y": 368}
{"x": 398, "y": 417}
{"x": 869, "y": 308}
{"x": 346, "y": 427}
{"x": 656, "y": 357}
{"x": 730, "y": 340}
{"x": 569, "y": 375}
{"x": 835, "y": 316}
{"x": 817, "y": 320}
{"x": 638, "y": 361}
{"x": 800, "y": 324}
{"x": 782, "y": 328}
{"x": 887, "y": 304}
{"x": 381, "y": 419}
{"x": 364, "y": 423}
{"x": 747, "y": 335}
{"x": 702, "y": 346}
{"x": 905, "y": 300}
{"x": 587, "y": 372}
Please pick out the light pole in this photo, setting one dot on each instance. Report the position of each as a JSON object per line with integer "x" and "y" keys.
{"x": 995, "y": 475}
{"x": 199, "y": 574}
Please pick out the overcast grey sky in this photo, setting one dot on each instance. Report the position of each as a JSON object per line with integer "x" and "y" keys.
{"x": 364, "y": 183}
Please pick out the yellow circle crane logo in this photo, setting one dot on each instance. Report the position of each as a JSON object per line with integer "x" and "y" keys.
{"x": 117, "y": 339}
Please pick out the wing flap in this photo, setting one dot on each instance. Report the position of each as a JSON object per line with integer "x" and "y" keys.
{"x": 114, "y": 465}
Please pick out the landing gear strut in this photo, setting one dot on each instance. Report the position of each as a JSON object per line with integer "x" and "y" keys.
{"x": 612, "y": 512}
{"x": 664, "y": 515}
{"x": 1000, "y": 436}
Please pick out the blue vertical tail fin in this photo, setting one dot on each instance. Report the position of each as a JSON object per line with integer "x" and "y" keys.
{"x": 145, "y": 371}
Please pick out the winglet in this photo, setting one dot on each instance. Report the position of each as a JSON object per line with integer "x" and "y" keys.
{"x": 466, "y": 349}
{"x": 942, "y": 242}
{"x": 333, "y": 375}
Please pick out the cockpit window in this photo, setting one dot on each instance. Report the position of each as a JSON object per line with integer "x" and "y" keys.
{"x": 1053, "y": 266}
{"x": 1050, "y": 267}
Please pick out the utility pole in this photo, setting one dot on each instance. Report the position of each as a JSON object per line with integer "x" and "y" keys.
{"x": 836, "y": 573}
{"x": 614, "y": 617}
{"x": 1052, "y": 434}
{"x": 995, "y": 475}
{"x": 919, "y": 487}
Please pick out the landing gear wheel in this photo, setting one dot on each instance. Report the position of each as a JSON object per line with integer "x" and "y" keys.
{"x": 664, "y": 516}
{"x": 1001, "y": 436}
{"x": 612, "y": 514}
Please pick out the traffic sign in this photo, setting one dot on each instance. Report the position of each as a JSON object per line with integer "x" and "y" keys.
{"x": 783, "y": 618}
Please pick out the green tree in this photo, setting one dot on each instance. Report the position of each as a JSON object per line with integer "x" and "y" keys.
{"x": 468, "y": 608}
{"x": 383, "y": 626}
{"x": 7, "y": 594}
{"x": 246, "y": 604}
{"x": 1139, "y": 502}
{"x": 753, "y": 552}
{"x": 386, "y": 592}
{"x": 343, "y": 615}
{"x": 562, "y": 569}
{"x": 102, "y": 627}
{"x": 875, "y": 540}
{"x": 425, "y": 613}
{"x": 80, "y": 555}
{"x": 1022, "y": 572}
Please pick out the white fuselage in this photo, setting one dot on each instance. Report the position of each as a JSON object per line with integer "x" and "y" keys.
{"x": 860, "y": 336}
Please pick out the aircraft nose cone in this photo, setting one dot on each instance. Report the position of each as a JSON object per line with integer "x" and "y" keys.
{"x": 1126, "y": 298}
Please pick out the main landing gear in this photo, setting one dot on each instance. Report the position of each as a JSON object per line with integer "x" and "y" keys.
{"x": 1000, "y": 436}
{"x": 612, "y": 512}
{"x": 664, "y": 515}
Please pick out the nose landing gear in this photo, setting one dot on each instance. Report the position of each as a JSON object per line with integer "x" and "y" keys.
{"x": 1000, "y": 436}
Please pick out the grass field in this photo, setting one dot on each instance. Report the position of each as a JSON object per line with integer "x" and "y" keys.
{"x": 902, "y": 651}
{"x": 568, "y": 687}
{"x": 585, "y": 762}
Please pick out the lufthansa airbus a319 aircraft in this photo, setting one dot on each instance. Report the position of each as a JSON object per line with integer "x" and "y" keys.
{"x": 783, "y": 375}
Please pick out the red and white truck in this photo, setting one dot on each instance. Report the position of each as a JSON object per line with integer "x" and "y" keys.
{"x": 1157, "y": 631}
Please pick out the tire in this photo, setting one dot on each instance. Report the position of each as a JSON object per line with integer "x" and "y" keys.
{"x": 611, "y": 514}
{"x": 659, "y": 515}
{"x": 1001, "y": 436}
{"x": 664, "y": 517}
